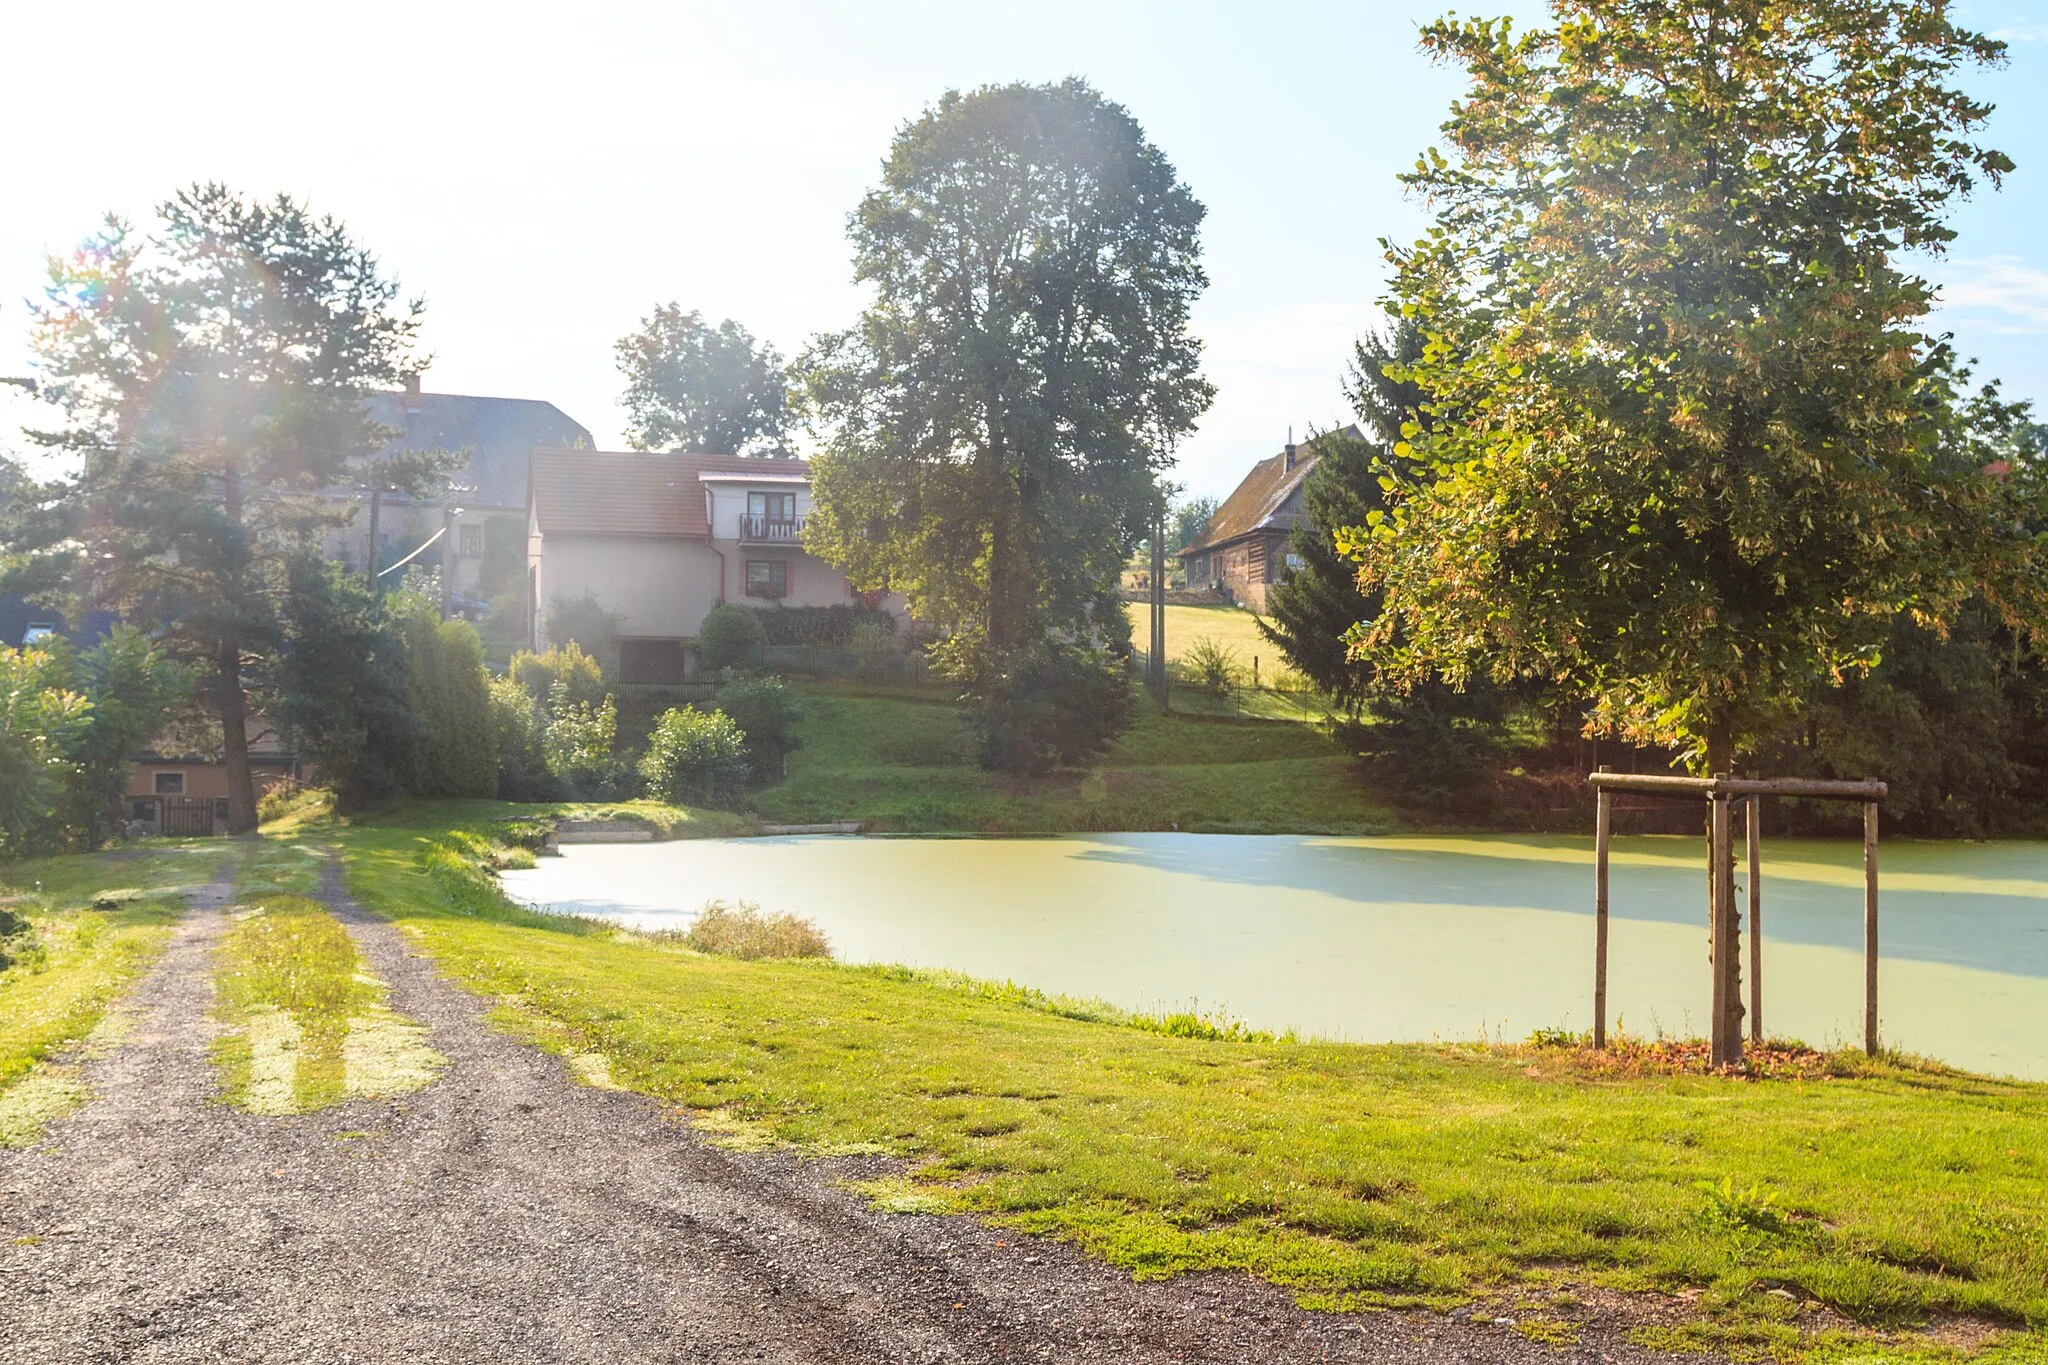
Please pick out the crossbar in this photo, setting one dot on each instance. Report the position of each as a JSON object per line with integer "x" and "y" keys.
{"x": 1812, "y": 787}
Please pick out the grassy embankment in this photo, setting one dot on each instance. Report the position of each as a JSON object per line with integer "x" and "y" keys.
{"x": 904, "y": 760}
{"x": 1355, "y": 1176}
{"x": 74, "y": 961}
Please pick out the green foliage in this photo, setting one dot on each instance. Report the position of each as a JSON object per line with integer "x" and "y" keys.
{"x": 832, "y": 627}
{"x": 41, "y": 716}
{"x": 456, "y": 752}
{"x": 998, "y": 415}
{"x": 696, "y": 758}
{"x": 691, "y": 386}
{"x": 563, "y": 663}
{"x": 1211, "y": 666}
{"x": 518, "y": 727}
{"x": 1052, "y": 704}
{"x": 1433, "y": 745}
{"x": 1688, "y": 457}
{"x": 211, "y": 375}
{"x": 345, "y": 685}
{"x": 580, "y": 744}
{"x": 589, "y": 625}
{"x": 767, "y": 712}
{"x": 503, "y": 569}
{"x": 129, "y": 685}
{"x": 731, "y": 637}
{"x": 1184, "y": 525}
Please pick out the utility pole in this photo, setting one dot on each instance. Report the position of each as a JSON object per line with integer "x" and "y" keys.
{"x": 376, "y": 584}
{"x": 1156, "y": 657}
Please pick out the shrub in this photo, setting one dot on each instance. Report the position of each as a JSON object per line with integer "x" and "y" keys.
{"x": 456, "y": 754}
{"x": 517, "y": 726}
{"x": 1051, "y": 703}
{"x": 696, "y": 758}
{"x": 289, "y": 798}
{"x": 731, "y": 637}
{"x": 580, "y": 745}
{"x": 588, "y": 624}
{"x": 567, "y": 663}
{"x": 766, "y": 712}
{"x": 747, "y": 933}
{"x": 832, "y": 627}
{"x": 1211, "y": 666}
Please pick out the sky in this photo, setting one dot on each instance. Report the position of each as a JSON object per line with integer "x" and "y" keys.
{"x": 544, "y": 175}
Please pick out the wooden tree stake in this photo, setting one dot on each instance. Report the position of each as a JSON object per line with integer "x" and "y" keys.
{"x": 1870, "y": 928}
{"x": 1602, "y": 822}
{"x": 1752, "y": 839}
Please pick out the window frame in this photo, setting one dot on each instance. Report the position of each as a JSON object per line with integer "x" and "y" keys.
{"x": 469, "y": 541}
{"x": 778, "y": 579}
{"x": 176, "y": 779}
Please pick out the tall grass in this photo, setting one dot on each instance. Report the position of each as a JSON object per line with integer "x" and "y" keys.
{"x": 748, "y": 934}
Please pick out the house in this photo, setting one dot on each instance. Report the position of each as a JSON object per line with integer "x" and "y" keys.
{"x": 1244, "y": 548}
{"x": 187, "y": 793}
{"x": 661, "y": 539}
{"x": 484, "y": 513}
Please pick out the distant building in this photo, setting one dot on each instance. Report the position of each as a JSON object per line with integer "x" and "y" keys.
{"x": 662, "y": 539}
{"x": 1243, "y": 550}
{"x": 499, "y": 436}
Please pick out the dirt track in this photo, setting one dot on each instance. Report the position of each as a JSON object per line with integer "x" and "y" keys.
{"x": 508, "y": 1213}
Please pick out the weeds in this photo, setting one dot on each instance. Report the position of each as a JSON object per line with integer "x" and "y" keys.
{"x": 749, "y": 935}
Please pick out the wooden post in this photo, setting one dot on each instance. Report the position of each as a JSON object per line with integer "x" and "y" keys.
{"x": 1752, "y": 839}
{"x": 1718, "y": 946}
{"x": 1602, "y": 823}
{"x": 1870, "y": 927}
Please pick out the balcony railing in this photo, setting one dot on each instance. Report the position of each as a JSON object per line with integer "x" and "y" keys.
{"x": 774, "y": 530}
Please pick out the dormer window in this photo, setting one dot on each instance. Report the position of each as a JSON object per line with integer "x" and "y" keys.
{"x": 772, "y": 506}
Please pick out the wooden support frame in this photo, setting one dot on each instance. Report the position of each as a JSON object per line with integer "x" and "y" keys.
{"x": 1725, "y": 923}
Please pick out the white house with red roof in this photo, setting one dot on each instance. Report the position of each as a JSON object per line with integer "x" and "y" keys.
{"x": 661, "y": 539}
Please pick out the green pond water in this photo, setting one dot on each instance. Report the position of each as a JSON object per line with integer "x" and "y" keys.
{"x": 1401, "y": 938}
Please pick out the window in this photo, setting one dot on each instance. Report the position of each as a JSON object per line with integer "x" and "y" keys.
{"x": 37, "y": 632}
{"x": 143, "y": 809}
{"x": 170, "y": 784}
{"x": 472, "y": 542}
{"x": 1295, "y": 562}
{"x": 767, "y": 578}
{"x": 772, "y": 506}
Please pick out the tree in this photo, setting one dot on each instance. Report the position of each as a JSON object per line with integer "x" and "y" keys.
{"x": 41, "y": 714}
{"x": 212, "y": 379}
{"x": 128, "y": 685}
{"x": 345, "y": 684}
{"x": 1683, "y": 452}
{"x": 692, "y": 386}
{"x": 457, "y": 750}
{"x": 1185, "y": 524}
{"x": 996, "y": 420}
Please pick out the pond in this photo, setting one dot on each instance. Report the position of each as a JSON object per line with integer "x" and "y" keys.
{"x": 1389, "y": 939}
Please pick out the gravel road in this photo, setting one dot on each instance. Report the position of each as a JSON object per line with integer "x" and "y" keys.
{"x": 508, "y": 1213}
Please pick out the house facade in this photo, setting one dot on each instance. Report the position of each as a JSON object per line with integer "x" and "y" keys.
{"x": 661, "y": 539}
{"x": 482, "y": 518}
{"x": 1244, "y": 549}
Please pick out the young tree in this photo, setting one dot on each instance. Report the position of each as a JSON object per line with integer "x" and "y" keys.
{"x": 344, "y": 684}
{"x": 1185, "y": 523}
{"x": 1685, "y": 453}
{"x": 997, "y": 417}
{"x": 212, "y": 378}
{"x": 128, "y": 684}
{"x": 696, "y": 387}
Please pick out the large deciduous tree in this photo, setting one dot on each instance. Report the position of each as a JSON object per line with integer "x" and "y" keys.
{"x": 1687, "y": 451}
{"x": 696, "y": 387}
{"x": 996, "y": 420}
{"x": 212, "y": 376}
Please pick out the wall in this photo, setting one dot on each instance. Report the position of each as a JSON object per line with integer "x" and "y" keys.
{"x": 662, "y": 586}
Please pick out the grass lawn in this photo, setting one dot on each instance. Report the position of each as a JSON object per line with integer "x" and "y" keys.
{"x": 1232, "y": 627}
{"x": 74, "y": 961}
{"x": 1355, "y": 1176}
{"x": 905, "y": 761}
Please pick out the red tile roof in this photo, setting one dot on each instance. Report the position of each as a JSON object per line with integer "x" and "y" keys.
{"x": 626, "y": 493}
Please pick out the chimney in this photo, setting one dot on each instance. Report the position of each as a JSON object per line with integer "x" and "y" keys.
{"x": 412, "y": 390}
{"x": 1290, "y": 450}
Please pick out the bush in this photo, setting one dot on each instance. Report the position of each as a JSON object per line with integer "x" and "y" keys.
{"x": 567, "y": 663}
{"x": 731, "y": 637}
{"x": 517, "y": 726}
{"x": 1211, "y": 666}
{"x": 289, "y": 798}
{"x": 766, "y": 712}
{"x": 696, "y": 758}
{"x": 585, "y": 622}
{"x": 833, "y": 627}
{"x": 580, "y": 744}
{"x": 1052, "y": 703}
{"x": 456, "y": 754}
{"x": 747, "y": 933}
{"x": 869, "y": 638}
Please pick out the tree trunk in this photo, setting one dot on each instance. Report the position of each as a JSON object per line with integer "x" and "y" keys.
{"x": 228, "y": 695}
{"x": 1726, "y": 920}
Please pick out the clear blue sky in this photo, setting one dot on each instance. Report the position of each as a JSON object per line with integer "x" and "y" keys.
{"x": 545, "y": 174}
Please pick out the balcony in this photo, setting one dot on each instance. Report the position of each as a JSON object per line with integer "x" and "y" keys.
{"x": 755, "y": 530}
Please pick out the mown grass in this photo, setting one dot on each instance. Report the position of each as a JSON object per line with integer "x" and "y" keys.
{"x": 74, "y": 961}
{"x": 306, "y": 1023}
{"x": 905, "y": 762}
{"x": 1355, "y": 1176}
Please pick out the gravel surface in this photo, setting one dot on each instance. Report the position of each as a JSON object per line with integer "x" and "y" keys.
{"x": 508, "y": 1213}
